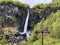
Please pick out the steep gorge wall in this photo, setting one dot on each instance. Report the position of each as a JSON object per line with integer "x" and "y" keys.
{"x": 12, "y": 15}
{"x": 36, "y": 15}
{"x": 19, "y": 13}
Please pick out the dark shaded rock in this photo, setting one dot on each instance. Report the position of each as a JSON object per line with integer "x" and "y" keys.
{"x": 16, "y": 14}
{"x": 37, "y": 14}
{"x": 1, "y": 37}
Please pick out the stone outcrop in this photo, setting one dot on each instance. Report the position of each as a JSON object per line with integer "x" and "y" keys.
{"x": 14, "y": 15}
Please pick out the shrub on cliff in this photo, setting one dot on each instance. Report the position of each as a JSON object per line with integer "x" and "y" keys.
{"x": 15, "y": 2}
{"x": 51, "y": 24}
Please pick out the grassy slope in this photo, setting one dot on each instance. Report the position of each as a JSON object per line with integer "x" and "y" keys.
{"x": 51, "y": 24}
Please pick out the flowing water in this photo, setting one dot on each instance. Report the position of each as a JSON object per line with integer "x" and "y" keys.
{"x": 25, "y": 28}
{"x": 26, "y": 22}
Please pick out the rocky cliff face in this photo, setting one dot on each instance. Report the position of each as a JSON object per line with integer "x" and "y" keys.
{"x": 36, "y": 15}
{"x": 14, "y": 15}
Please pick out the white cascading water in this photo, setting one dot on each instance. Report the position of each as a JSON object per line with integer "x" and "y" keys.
{"x": 25, "y": 27}
{"x": 26, "y": 22}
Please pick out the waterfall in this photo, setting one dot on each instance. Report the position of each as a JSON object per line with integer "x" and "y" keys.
{"x": 25, "y": 32}
{"x": 26, "y": 22}
{"x": 25, "y": 27}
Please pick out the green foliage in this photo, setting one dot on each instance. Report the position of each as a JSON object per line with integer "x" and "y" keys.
{"x": 56, "y": 1}
{"x": 7, "y": 21}
{"x": 52, "y": 4}
{"x": 40, "y": 6}
{"x": 15, "y": 2}
{"x": 37, "y": 42}
{"x": 3, "y": 41}
{"x": 51, "y": 24}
